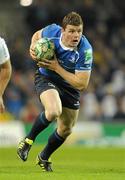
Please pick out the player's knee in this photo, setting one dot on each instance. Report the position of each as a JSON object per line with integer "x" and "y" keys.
{"x": 53, "y": 113}
{"x": 65, "y": 132}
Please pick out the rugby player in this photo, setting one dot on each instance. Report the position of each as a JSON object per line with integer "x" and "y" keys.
{"x": 58, "y": 84}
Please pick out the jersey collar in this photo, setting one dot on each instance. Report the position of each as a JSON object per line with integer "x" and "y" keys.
{"x": 63, "y": 46}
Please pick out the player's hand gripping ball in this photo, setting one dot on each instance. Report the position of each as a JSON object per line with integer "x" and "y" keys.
{"x": 44, "y": 49}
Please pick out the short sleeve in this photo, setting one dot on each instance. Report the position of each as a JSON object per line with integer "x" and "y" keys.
{"x": 51, "y": 31}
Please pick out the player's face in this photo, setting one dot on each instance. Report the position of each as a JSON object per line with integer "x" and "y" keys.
{"x": 71, "y": 35}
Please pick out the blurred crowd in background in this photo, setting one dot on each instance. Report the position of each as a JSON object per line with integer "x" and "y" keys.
{"x": 104, "y": 26}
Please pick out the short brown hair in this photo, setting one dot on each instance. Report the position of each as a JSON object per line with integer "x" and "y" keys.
{"x": 72, "y": 18}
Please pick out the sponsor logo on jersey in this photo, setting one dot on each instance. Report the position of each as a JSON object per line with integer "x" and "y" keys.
{"x": 88, "y": 56}
{"x": 72, "y": 59}
{"x": 77, "y": 103}
{"x": 51, "y": 85}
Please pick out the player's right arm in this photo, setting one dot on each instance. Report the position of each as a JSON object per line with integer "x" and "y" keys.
{"x": 36, "y": 36}
{"x": 5, "y": 70}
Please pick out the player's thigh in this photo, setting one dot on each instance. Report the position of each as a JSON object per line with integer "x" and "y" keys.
{"x": 68, "y": 117}
{"x": 47, "y": 92}
{"x": 51, "y": 100}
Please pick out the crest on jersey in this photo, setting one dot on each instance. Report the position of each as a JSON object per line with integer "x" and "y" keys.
{"x": 72, "y": 59}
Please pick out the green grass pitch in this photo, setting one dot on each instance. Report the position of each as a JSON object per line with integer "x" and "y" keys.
{"x": 69, "y": 163}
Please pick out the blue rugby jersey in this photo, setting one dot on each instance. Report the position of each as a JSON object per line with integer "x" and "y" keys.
{"x": 72, "y": 60}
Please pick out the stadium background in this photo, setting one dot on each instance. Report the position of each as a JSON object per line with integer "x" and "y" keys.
{"x": 102, "y": 114}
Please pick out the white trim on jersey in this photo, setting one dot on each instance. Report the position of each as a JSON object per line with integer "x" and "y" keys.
{"x": 83, "y": 70}
{"x": 4, "y": 52}
{"x": 63, "y": 46}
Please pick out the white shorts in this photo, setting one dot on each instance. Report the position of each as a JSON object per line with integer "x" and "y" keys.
{"x": 4, "y": 53}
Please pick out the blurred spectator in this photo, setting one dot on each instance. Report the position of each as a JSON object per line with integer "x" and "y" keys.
{"x": 6, "y": 116}
{"x": 90, "y": 106}
{"x": 14, "y": 102}
{"x": 109, "y": 106}
{"x": 29, "y": 113}
{"x": 120, "y": 114}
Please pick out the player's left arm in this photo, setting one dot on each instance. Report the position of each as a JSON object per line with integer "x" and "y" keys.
{"x": 79, "y": 80}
